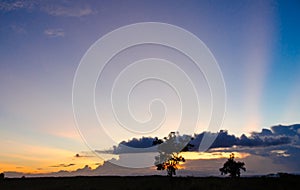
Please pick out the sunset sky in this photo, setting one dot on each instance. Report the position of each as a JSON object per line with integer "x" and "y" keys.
{"x": 256, "y": 44}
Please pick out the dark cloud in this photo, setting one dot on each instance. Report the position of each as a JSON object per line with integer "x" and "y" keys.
{"x": 144, "y": 144}
{"x": 62, "y": 165}
{"x": 264, "y": 138}
{"x": 278, "y": 135}
{"x": 83, "y": 155}
{"x": 289, "y": 130}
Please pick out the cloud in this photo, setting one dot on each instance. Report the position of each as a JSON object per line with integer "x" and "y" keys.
{"x": 15, "y": 5}
{"x": 70, "y": 11}
{"x": 54, "y": 32}
{"x": 256, "y": 139}
{"x": 54, "y": 7}
{"x": 278, "y": 148}
{"x": 84, "y": 155}
{"x": 286, "y": 157}
{"x": 289, "y": 130}
{"x": 262, "y": 160}
{"x": 278, "y": 135}
{"x": 264, "y": 152}
{"x": 62, "y": 165}
{"x": 107, "y": 169}
{"x": 143, "y": 144}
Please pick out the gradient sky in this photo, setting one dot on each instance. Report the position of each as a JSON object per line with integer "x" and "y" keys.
{"x": 256, "y": 44}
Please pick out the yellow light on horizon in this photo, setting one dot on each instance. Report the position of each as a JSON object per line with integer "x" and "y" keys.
{"x": 212, "y": 155}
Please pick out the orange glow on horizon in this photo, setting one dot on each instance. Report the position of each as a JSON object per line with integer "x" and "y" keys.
{"x": 43, "y": 167}
{"x": 35, "y": 159}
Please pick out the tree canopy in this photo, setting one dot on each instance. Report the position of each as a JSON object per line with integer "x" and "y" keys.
{"x": 232, "y": 167}
{"x": 169, "y": 149}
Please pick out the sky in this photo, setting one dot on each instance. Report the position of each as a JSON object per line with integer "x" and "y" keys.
{"x": 255, "y": 43}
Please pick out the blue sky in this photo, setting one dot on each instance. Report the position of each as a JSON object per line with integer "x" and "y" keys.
{"x": 256, "y": 44}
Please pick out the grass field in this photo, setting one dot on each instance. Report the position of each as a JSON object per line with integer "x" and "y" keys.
{"x": 150, "y": 183}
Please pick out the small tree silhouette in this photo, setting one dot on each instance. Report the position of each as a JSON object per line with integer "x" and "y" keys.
{"x": 232, "y": 167}
{"x": 169, "y": 149}
{"x": 1, "y": 176}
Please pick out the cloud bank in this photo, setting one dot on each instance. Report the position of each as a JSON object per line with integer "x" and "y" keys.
{"x": 269, "y": 151}
{"x": 277, "y": 135}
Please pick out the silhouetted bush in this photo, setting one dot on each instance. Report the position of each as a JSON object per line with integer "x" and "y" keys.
{"x": 1, "y": 176}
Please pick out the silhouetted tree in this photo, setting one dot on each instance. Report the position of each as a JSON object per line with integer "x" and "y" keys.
{"x": 1, "y": 176}
{"x": 169, "y": 149}
{"x": 232, "y": 167}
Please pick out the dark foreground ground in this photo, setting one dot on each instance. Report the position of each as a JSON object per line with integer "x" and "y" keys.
{"x": 151, "y": 182}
